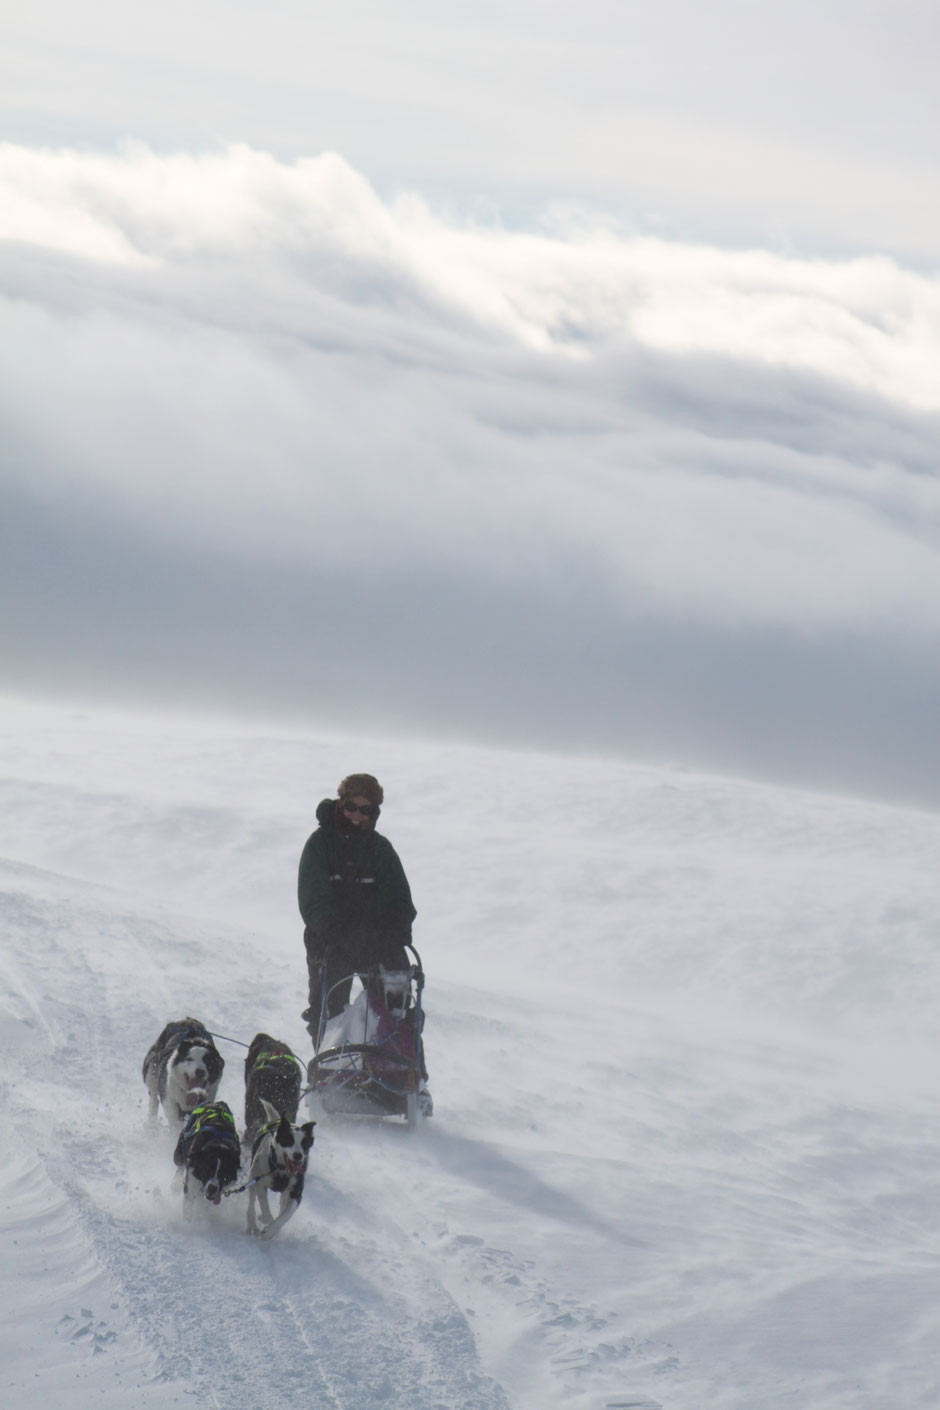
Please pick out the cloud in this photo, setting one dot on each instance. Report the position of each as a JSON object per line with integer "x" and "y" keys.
{"x": 577, "y": 287}
{"x": 809, "y": 124}
{"x": 271, "y": 433}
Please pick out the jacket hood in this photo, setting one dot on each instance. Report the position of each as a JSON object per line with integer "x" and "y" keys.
{"x": 328, "y": 816}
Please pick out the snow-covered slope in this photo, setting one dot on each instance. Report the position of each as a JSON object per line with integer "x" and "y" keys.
{"x": 681, "y": 1034}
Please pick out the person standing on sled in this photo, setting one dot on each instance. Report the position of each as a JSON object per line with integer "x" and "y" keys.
{"x": 355, "y": 901}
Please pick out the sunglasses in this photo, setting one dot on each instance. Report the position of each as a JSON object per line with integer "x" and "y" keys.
{"x": 367, "y": 812}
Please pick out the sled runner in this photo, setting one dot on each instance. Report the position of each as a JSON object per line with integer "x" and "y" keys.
{"x": 368, "y": 1058}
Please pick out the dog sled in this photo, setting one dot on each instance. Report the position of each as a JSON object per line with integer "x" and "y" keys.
{"x": 367, "y": 1058}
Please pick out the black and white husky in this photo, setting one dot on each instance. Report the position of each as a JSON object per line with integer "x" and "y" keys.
{"x": 272, "y": 1074}
{"x": 208, "y": 1152}
{"x": 182, "y": 1069}
{"x": 278, "y": 1163}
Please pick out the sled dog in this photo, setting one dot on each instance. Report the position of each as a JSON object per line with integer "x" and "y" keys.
{"x": 208, "y": 1152}
{"x": 272, "y": 1074}
{"x": 278, "y": 1163}
{"x": 182, "y": 1069}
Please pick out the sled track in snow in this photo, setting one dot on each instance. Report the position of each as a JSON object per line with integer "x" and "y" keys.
{"x": 255, "y": 1326}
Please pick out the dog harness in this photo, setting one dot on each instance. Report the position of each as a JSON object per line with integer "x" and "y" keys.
{"x": 275, "y": 1057}
{"x": 214, "y": 1117}
{"x": 265, "y": 1130}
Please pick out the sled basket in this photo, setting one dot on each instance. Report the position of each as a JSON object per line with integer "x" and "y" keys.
{"x": 367, "y": 1061}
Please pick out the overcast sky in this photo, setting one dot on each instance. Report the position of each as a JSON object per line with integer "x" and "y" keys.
{"x": 537, "y": 373}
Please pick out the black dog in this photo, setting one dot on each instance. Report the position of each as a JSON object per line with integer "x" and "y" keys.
{"x": 182, "y": 1069}
{"x": 279, "y": 1164}
{"x": 208, "y": 1152}
{"x": 272, "y": 1074}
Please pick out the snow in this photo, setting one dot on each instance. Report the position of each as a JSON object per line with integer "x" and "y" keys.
{"x": 681, "y": 1036}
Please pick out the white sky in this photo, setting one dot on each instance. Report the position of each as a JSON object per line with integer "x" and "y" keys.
{"x": 570, "y": 376}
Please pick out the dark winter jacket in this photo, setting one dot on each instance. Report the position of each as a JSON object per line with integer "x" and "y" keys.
{"x": 353, "y": 893}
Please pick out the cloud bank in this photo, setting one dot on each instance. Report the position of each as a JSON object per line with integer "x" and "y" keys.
{"x": 276, "y": 443}
{"x": 812, "y": 122}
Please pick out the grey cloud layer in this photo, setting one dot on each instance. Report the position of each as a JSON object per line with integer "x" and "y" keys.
{"x": 278, "y": 445}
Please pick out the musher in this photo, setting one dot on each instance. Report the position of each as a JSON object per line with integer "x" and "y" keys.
{"x": 355, "y": 901}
